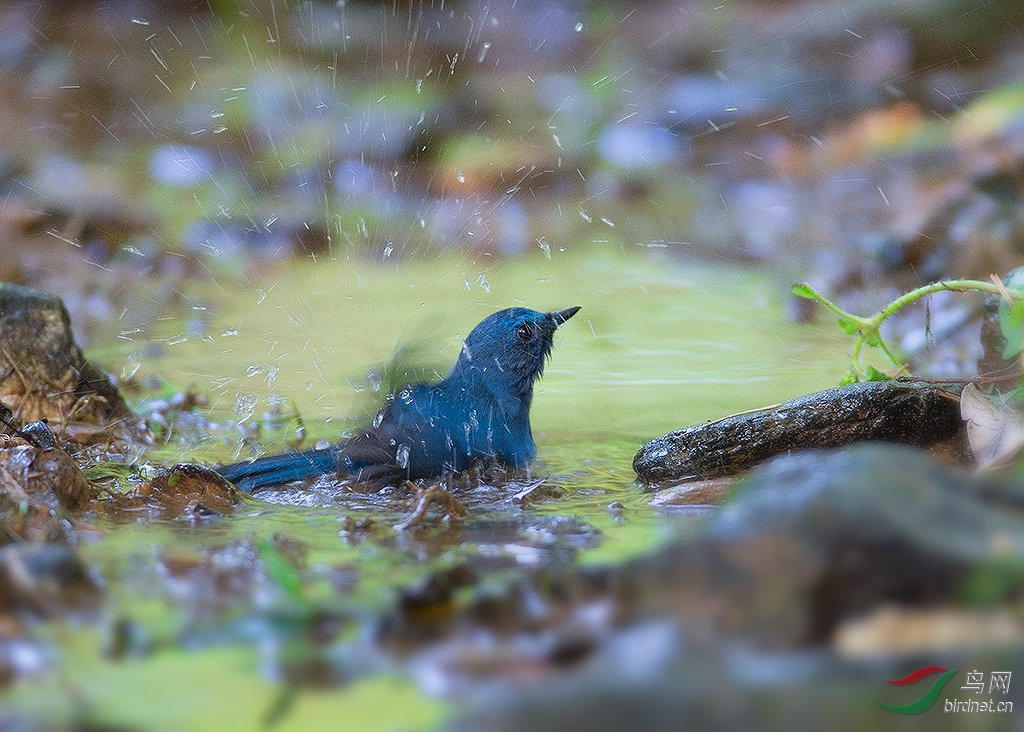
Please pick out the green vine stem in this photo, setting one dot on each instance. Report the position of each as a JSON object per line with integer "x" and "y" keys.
{"x": 866, "y": 329}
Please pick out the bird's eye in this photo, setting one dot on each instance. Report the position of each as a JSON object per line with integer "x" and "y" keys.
{"x": 526, "y": 331}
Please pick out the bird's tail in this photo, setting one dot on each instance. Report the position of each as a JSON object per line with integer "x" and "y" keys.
{"x": 276, "y": 469}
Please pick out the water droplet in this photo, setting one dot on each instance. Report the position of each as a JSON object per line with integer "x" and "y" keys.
{"x": 483, "y": 53}
{"x": 388, "y": 250}
{"x": 402, "y": 456}
{"x": 585, "y": 216}
{"x": 245, "y": 406}
{"x": 131, "y": 365}
{"x": 545, "y": 246}
{"x": 406, "y": 396}
{"x": 378, "y": 418}
{"x": 460, "y": 176}
{"x": 229, "y": 332}
{"x": 579, "y": 27}
{"x": 608, "y": 221}
{"x": 254, "y": 370}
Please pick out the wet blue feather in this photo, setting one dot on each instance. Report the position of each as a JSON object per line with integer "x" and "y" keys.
{"x": 482, "y": 409}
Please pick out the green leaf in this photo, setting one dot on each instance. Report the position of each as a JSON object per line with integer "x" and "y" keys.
{"x": 991, "y": 582}
{"x": 804, "y": 290}
{"x": 1011, "y": 323}
{"x": 280, "y": 570}
{"x": 106, "y": 471}
{"x": 282, "y": 705}
{"x": 874, "y": 374}
{"x": 1017, "y": 314}
{"x": 848, "y": 326}
{"x": 872, "y": 339}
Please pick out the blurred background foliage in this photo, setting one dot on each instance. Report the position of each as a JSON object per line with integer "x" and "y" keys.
{"x": 155, "y": 135}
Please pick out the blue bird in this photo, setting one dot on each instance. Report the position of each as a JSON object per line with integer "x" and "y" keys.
{"x": 481, "y": 410}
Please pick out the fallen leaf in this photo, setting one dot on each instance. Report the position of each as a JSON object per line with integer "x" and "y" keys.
{"x": 995, "y": 432}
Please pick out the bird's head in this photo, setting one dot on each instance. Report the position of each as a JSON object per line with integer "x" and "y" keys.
{"x": 507, "y": 350}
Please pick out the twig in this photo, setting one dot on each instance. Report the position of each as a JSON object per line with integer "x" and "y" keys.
{"x": 433, "y": 494}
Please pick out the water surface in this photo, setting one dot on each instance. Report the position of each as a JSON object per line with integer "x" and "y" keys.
{"x": 659, "y": 344}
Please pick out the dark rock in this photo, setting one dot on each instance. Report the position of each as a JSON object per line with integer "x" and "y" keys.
{"x": 43, "y": 374}
{"x": 816, "y": 537}
{"x": 913, "y": 413}
{"x": 39, "y": 435}
{"x": 825, "y": 498}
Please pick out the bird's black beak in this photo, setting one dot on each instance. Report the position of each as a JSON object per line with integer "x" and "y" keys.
{"x": 560, "y": 316}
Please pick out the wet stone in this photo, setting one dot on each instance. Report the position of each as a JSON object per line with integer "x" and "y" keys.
{"x": 43, "y": 374}
{"x": 43, "y": 479}
{"x": 558, "y": 531}
{"x": 883, "y": 411}
{"x": 692, "y": 493}
{"x": 192, "y": 490}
